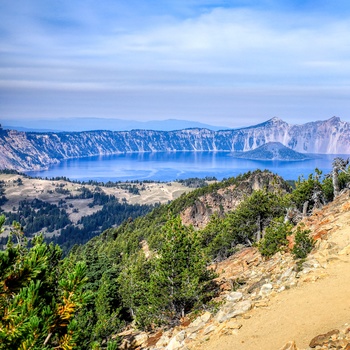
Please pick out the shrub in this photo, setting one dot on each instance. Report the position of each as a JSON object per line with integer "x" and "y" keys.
{"x": 39, "y": 295}
{"x": 303, "y": 243}
{"x": 275, "y": 238}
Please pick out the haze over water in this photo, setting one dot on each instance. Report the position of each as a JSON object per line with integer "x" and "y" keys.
{"x": 170, "y": 166}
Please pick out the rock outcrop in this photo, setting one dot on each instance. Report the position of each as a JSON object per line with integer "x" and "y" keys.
{"x": 227, "y": 199}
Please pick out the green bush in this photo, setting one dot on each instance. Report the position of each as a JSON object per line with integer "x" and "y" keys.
{"x": 304, "y": 190}
{"x": 275, "y": 238}
{"x": 39, "y": 295}
{"x": 304, "y": 243}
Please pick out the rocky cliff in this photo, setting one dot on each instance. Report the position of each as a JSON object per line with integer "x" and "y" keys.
{"x": 29, "y": 151}
{"x": 227, "y": 199}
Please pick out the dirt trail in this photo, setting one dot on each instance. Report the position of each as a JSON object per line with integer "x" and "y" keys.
{"x": 297, "y": 314}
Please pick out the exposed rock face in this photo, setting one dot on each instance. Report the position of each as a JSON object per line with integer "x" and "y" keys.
{"x": 227, "y": 199}
{"x": 28, "y": 151}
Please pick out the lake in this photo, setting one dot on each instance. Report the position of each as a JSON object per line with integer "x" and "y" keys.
{"x": 163, "y": 166}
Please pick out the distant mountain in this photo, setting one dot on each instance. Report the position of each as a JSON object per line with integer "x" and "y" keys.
{"x": 273, "y": 151}
{"x": 30, "y": 151}
{"x": 19, "y": 128}
{"x": 88, "y": 124}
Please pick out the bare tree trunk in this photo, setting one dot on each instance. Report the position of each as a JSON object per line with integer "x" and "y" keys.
{"x": 338, "y": 164}
{"x": 249, "y": 242}
{"x": 286, "y": 217}
{"x": 258, "y": 234}
{"x": 305, "y": 206}
{"x": 335, "y": 182}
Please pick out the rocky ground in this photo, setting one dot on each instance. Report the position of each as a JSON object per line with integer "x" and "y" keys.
{"x": 275, "y": 303}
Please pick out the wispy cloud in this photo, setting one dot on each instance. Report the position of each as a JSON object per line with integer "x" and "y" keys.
{"x": 179, "y": 47}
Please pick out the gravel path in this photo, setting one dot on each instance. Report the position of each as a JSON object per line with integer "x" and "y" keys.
{"x": 298, "y": 314}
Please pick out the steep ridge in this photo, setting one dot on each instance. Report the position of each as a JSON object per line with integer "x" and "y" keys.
{"x": 271, "y": 302}
{"x": 228, "y": 198}
{"x": 29, "y": 151}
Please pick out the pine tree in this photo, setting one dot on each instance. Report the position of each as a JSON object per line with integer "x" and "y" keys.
{"x": 39, "y": 295}
{"x": 134, "y": 288}
{"x": 172, "y": 281}
{"x": 108, "y": 307}
{"x": 180, "y": 280}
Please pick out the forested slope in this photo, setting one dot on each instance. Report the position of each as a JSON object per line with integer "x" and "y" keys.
{"x": 124, "y": 264}
{"x": 152, "y": 271}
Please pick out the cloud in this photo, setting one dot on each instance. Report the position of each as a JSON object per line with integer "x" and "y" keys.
{"x": 188, "y": 48}
{"x": 236, "y": 40}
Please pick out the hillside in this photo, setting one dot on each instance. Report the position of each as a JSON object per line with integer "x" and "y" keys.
{"x": 273, "y": 151}
{"x": 32, "y": 151}
{"x": 164, "y": 281}
{"x": 199, "y": 207}
{"x": 317, "y": 301}
{"x": 72, "y": 212}
{"x": 276, "y": 302}
{"x": 44, "y": 189}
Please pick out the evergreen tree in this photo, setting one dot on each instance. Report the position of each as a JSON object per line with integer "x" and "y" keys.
{"x": 180, "y": 280}
{"x": 107, "y": 307}
{"x": 275, "y": 238}
{"x": 134, "y": 288}
{"x": 308, "y": 192}
{"x": 245, "y": 225}
{"x": 39, "y": 295}
{"x": 304, "y": 243}
{"x": 100, "y": 318}
{"x": 337, "y": 180}
{"x": 174, "y": 280}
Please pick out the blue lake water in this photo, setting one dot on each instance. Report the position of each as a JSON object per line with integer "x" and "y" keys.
{"x": 163, "y": 166}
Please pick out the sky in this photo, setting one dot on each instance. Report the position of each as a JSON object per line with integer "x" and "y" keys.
{"x": 231, "y": 63}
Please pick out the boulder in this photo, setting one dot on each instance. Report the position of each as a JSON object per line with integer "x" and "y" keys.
{"x": 266, "y": 289}
{"x": 287, "y": 274}
{"x": 233, "y": 325}
{"x": 163, "y": 341}
{"x": 231, "y": 310}
{"x": 323, "y": 339}
{"x": 140, "y": 339}
{"x": 234, "y": 296}
{"x": 177, "y": 342}
{"x": 311, "y": 264}
{"x": 209, "y": 329}
{"x": 206, "y": 316}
